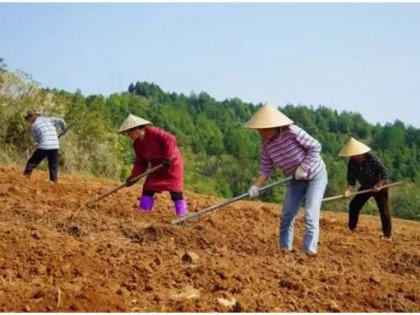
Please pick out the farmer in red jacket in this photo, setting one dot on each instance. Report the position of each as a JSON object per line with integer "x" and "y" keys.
{"x": 155, "y": 146}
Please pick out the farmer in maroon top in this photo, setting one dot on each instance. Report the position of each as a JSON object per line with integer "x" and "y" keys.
{"x": 156, "y": 146}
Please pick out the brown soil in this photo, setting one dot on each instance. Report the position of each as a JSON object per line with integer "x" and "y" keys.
{"x": 110, "y": 257}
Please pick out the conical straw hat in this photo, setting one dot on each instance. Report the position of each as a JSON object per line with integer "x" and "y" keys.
{"x": 354, "y": 147}
{"x": 131, "y": 122}
{"x": 268, "y": 117}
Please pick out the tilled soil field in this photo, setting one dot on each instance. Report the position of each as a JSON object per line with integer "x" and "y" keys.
{"x": 57, "y": 256}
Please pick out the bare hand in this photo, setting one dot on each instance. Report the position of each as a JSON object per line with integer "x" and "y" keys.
{"x": 376, "y": 188}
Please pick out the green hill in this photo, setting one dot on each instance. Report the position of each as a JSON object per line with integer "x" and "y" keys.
{"x": 222, "y": 157}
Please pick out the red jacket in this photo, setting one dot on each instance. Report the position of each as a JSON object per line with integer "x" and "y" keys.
{"x": 157, "y": 145}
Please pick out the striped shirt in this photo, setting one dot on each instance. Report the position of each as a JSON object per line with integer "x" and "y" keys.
{"x": 290, "y": 149}
{"x": 44, "y": 132}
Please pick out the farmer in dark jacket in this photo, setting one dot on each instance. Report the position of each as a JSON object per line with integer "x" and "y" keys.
{"x": 370, "y": 172}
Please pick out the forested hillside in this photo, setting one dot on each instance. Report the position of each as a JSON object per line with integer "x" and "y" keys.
{"x": 221, "y": 156}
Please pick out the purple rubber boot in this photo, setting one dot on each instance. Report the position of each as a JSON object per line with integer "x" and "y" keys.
{"x": 180, "y": 208}
{"x": 146, "y": 203}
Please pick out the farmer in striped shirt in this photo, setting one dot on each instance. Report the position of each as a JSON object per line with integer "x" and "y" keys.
{"x": 44, "y": 132}
{"x": 297, "y": 154}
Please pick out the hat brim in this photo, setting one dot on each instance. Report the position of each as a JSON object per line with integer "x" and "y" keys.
{"x": 268, "y": 117}
{"x": 132, "y": 128}
{"x": 132, "y": 122}
{"x": 354, "y": 147}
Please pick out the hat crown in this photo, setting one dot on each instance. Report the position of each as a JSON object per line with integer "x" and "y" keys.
{"x": 268, "y": 117}
{"x": 354, "y": 147}
{"x": 132, "y": 121}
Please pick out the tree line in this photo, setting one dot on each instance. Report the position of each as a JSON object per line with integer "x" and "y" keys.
{"x": 221, "y": 155}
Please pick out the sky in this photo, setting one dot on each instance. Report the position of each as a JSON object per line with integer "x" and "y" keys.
{"x": 358, "y": 57}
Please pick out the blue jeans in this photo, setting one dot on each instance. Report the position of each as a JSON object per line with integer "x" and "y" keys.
{"x": 312, "y": 192}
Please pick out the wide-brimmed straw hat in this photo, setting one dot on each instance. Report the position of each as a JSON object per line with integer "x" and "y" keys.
{"x": 354, "y": 147}
{"x": 131, "y": 122}
{"x": 268, "y": 117}
{"x": 31, "y": 112}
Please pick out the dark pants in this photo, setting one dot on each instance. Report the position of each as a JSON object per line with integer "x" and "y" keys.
{"x": 381, "y": 198}
{"x": 175, "y": 195}
{"x": 38, "y": 156}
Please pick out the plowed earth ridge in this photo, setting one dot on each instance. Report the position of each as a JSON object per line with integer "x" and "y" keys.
{"x": 111, "y": 257}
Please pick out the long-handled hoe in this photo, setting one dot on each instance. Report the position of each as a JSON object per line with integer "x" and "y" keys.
{"x": 360, "y": 192}
{"x": 226, "y": 202}
{"x": 106, "y": 194}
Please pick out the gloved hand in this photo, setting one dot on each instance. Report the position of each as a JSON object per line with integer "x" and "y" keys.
{"x": 128, "y": 182}
{"x": 167, "y": 162}
{"x": 253, "y": 191}
{"x": 347, "y": 193}
{"x": 300, "y": 173}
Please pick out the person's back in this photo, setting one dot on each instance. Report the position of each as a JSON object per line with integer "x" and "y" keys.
{"x": 367, "y": 171}
{"x": 44, "y": 132}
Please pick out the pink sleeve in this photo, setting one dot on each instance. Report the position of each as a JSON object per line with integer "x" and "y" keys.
{"x": 266, "y": 164}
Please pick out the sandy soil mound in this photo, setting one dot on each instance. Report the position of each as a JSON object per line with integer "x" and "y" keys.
{"x": 110, "y": 257}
